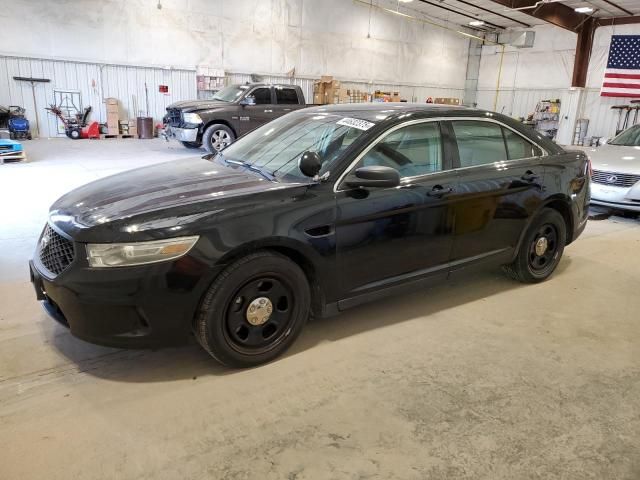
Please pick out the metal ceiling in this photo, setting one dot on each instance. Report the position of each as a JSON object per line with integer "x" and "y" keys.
{"x": 498, "y": 17}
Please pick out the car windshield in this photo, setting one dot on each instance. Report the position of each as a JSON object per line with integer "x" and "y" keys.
{"x": 230, "y": 93}
{"x": 629, "y": 138}
{"x": 276, "y": 147}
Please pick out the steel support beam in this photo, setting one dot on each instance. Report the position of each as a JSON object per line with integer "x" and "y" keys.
{"x": 556, "y": 13}
{"x": 584, "y": 45}
{"x": 603, "y": 22}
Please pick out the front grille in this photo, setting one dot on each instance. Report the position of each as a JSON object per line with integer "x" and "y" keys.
{"x": 174, "y": 116}
{"x": 615, "y": 179}
{"x": 56, "y": 252}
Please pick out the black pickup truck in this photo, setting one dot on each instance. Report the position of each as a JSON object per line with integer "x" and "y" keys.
{"x": 233, "y": 111}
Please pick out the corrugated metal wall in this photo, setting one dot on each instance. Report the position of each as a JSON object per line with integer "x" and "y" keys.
{"x": 515, "y": 102}
{"x": 411, "y": 93}
{"x": 521, "y": 102}
{"x": 94, "y": 83}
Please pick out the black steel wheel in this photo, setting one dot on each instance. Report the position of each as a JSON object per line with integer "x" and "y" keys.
{"x": 254, "y": 310}
{"x": 259, "y": 314}
{"x": 541, "y": 249}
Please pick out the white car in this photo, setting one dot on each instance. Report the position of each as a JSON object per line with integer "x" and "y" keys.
{"x": 616, "y": 171}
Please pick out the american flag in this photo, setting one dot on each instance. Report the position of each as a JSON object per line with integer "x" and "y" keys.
{"x": 622, "y": 76}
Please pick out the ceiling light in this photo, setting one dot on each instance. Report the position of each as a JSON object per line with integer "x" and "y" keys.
{"x": 584, "y": 9}
{"x": 476, "y": 23}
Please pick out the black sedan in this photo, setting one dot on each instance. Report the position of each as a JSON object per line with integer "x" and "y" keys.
{"x": 318, "y": 211}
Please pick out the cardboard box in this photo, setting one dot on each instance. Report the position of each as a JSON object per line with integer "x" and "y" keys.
{"x": 446, "y": 101}
{"x": 113, "y": 120}
{"x": 112, "y": 108}
{"x": 113, "y": 131}
{"x": 111, "y": 101}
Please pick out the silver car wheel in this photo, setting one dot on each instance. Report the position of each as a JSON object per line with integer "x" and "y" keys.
{"x": 220, "y": 139}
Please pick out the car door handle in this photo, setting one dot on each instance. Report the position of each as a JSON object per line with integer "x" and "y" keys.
{"x": 439, "y": 191}
{"x": 530, "y": 177}
{"x": 268, "y": 111}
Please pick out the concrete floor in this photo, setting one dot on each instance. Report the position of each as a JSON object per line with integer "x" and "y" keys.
{"x": 483, "y": 378}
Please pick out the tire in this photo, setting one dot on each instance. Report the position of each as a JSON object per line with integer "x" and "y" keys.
{"x": 75, "y": 134}
{"x": 234, "y": 336}
{"x": 217, "y": 137}
{"x": 191, "y": 144}
{"x": 541, "y": 248}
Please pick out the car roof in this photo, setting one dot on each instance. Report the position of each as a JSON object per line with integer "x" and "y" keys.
{"x": 378, "y": 111}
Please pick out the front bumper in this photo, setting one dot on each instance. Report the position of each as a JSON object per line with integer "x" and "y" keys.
{"x": 129, "y": 307}
{"x": 181, "y": 134}
{"x": 616, "y": 197}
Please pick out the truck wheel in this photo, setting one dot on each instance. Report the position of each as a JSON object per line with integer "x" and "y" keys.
{"x": 217, "y": 137}
{"x": 191, "y": 144}
{"x": 541, "y": 248}
{"x": 254, "y": 310}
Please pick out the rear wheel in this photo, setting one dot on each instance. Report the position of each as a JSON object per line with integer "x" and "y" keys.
{"x": 541, "y": 249}
{"x": 191, "y": 144}
{"x": 217, "y": 137}
{"x": 254, "y": 310}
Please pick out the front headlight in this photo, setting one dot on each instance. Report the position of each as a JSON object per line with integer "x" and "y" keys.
{"x": 138, "y": 253}
{"x": 192, "y": 118}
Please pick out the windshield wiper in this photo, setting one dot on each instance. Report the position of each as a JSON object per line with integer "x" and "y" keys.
{"x": 249, "y": 166}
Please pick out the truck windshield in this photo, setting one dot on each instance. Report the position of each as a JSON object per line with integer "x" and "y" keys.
{"x": 276, "y": 147}
{"x": 629, "y": 138}
{"x": 230, "y": 93}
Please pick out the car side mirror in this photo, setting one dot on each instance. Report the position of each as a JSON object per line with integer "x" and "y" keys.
{"x": 310, "y": 163}
{"x": 374, "y": 176}
{"x": 248, "y": 100}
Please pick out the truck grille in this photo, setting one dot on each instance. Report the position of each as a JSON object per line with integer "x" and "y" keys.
{"x": 174, "y": 117}
{"x": 55, "y": 252}
{"x": 613, "y": 178}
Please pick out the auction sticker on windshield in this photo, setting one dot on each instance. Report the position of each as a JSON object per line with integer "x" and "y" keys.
{"x": 356, "y": 123}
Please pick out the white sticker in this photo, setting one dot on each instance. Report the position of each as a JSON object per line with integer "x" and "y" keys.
{"x": 356, "y": 123}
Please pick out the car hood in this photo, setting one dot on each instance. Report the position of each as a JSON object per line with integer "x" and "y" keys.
{"x": 193, "y": 105}
{"x": 615, "y": 158}
{"x": 158, "y": 198}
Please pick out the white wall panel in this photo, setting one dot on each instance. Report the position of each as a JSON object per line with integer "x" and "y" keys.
{"x": 336, "y": 37}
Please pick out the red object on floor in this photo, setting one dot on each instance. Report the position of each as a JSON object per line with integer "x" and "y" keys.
{"x": 92, "y": 131}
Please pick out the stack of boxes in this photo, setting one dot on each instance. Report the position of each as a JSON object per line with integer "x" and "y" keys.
{"x": 208, "y": 82}
{"x": 329, "y": 91}
{"x": 446, "y": 101}
{"x": 380, "y": 96}
{"x": 113, "y": 116}
{"x": 357, "y": 96}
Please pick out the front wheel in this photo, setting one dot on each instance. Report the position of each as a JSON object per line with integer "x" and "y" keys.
{"x": 541, "y": 248}
{"x": 217, "y": 137}
{"x": 254, "y": 310}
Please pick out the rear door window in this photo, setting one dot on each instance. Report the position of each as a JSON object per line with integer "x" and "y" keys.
{"x": 518, "y": 147}
{"x": 479, "y": 143}
{"x": 286, "y": 96}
